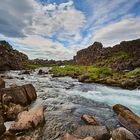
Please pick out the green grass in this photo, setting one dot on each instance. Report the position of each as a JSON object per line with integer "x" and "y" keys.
{"x": 133, "y": 72}
{"x": 97, "y": 72}
{"x": 117, "y": 56}
{"x": 120, "y": 55}
{"x": 68, "y": 70}
{"x": 92, "y": 71}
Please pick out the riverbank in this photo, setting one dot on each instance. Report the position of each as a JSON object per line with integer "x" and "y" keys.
{"x": 103, "y": 75}
{"x": 65, "y": 101}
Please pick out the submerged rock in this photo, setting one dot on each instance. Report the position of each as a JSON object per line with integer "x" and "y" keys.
{"x": 83, "y": 78}
{"x": 98, "y": 132}
{"x": 67, "y": 136}
{"x": 22, "y": 95}
{"x": 122, "y": 134}
{"x": 28, "y": 120}
{"x": 26, "y": 72}
{"x": 40, "y": 72}
{"x": 128, "y": 119}
{"x": 89, "y": 120}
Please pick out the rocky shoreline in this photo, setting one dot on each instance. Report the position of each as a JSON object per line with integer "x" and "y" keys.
{"x": 115, "y": 79}
{"x": 14, "y": 103}
{"x": 30, "y": 124}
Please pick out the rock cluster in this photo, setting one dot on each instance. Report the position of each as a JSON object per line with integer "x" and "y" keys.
{"x": 13, "y": 107}
{"x": 22, "y": 95}
{"x": 94, "y": 131}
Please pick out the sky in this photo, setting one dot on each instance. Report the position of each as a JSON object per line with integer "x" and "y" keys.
{"x": 57, "y": 29}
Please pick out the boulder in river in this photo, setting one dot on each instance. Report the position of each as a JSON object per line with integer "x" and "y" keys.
{"x": 67, "y": 136}
{"x": 83, "y": 78}
{"x": 22, "y": 95}
{"x": 98, "y": 132}
{"x": 89, "y": 120}
{"x": 12, "y": 110}
{"x": 28, "y": 120}
{"x": 2, "y": 83}
{"x": 26, "y": 72}
{"x": 122, "y": 134}
{"x": 41, "y": 72}
{"x": 128, "y": 119}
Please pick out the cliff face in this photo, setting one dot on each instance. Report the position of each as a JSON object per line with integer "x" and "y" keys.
{"x": 124, "y": 56}
{"x": 11, "y": 59}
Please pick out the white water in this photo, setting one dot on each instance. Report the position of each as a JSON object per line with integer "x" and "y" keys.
{"x": 112, "y": 96}
{"x": 68, "y": 87}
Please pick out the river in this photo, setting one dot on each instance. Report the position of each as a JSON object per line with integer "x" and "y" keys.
{"x": 65, "y": 100}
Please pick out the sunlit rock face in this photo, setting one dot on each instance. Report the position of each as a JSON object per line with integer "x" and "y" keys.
{"x": 125, "y": 55}
{"x": 10, "y": 59}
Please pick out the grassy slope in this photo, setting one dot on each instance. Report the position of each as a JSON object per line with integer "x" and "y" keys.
{"x": 99, "y": 74}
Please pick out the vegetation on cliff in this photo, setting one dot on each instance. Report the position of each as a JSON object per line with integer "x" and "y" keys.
{"x": 121, "y": 57}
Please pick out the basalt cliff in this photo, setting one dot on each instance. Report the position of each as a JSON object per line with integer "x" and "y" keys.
{"x": 121, "y": 57}
{"x": 11, "y": 59}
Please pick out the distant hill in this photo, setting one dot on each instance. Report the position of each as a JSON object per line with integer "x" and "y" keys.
{"x": 11, "y": 59}
{"x": 123, "y": 56}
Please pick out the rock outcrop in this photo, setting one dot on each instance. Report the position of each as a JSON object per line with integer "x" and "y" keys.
{"x": 22, "y": 95}
{"x": 11, "y": 59}
{"x": 124, "y": 56}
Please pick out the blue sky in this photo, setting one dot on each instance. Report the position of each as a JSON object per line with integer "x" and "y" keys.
{"x": 57, "y": 29}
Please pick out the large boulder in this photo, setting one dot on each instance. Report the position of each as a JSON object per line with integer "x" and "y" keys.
{"x": 67, "y": 136}
{"x": 28, "y": 120}
{"x": 98, "y": 132}
{"x": 22, "y": 95}
{"x": 122, "y": 134}
{"x": 2, "y": 83}
{"x": 128, "y": 119}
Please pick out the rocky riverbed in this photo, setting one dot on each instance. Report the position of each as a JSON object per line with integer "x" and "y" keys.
{"x": 65, "y": 100}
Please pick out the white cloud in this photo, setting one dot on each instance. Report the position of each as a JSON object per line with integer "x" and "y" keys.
{"x": 42, "y": 30}
{"x": 111, "y": 22}
{"x": 38, "y": 28}
{"x": 38, "y": 47}
{"x": 126, "y": 29}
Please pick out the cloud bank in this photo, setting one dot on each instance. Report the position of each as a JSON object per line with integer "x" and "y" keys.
{"x": 55, "y": 30}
